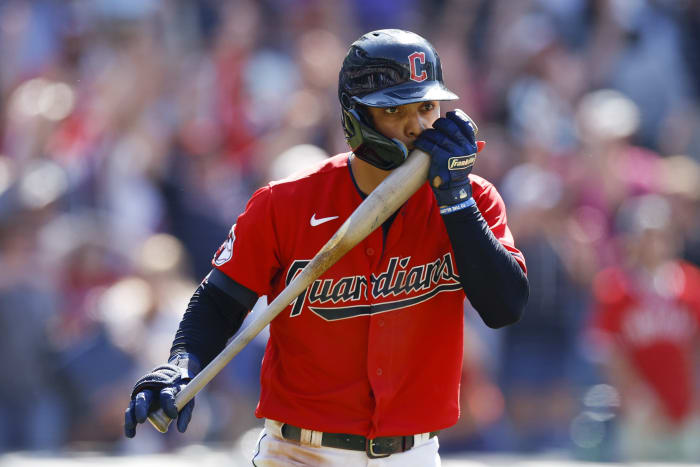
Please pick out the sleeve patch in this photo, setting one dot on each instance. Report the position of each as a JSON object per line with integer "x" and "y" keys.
{"x": 225, "y": 251}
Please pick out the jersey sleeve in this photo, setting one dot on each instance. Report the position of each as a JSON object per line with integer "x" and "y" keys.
{"x": 492, "y": 207}
{"x": 249, "y": 255}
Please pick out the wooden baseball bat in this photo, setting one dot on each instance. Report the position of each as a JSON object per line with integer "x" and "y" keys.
{"x": 386, "y": 199}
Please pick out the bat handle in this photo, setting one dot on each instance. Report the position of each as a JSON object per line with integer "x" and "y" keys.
{"x": 159, "y": 420}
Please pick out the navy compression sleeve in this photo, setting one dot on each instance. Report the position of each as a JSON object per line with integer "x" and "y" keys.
{"x": 214, "y": 314}
{"x": 493, "y": 281}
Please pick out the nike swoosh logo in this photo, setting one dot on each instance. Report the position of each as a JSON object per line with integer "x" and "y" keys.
{"x": 314, "y": 222}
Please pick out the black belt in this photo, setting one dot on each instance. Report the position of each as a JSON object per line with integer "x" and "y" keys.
{"x": 383, "y": 446}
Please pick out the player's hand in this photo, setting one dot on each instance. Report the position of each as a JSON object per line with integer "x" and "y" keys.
{"x": 158, "y": 389}
{"x": 452, "y": 146}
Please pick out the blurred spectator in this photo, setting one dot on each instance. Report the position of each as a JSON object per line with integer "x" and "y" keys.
{"x": 31, "y": 408}
{"x": 646, "y": 43}
{"x": 540, "y": 364}
{"x": 680, "y": 180}
{"x": 609, "y": 169}
{"x": 646, "y": 333}
{"x": 81, "y": 343}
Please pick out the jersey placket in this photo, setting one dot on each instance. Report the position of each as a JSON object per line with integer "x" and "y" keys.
{"x": 380, "y": 333}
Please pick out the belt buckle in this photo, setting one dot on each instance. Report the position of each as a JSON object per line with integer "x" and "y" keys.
{"x": 369, "y": 449}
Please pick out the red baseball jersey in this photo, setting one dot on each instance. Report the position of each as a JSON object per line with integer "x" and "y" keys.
{"x": 374, "y": 346}
{"x": 655, "y": 325}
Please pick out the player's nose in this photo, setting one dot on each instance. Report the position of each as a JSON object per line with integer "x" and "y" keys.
{"x": 415, "y": 124}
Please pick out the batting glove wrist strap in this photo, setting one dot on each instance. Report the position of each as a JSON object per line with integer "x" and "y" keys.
{"x": 189, "y": 364}
{"x": 457, "y": 207}
{"x": 452, "y": 146}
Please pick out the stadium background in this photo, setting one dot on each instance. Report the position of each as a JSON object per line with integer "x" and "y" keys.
{"x": 132, "y": 132}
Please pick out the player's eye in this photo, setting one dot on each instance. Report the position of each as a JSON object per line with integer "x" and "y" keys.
{"x": 428, "y": 106}
{"x": 391, "y": 110}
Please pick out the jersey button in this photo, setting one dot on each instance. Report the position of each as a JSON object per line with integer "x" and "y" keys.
{"x": 381, "y": 322}
{"x": 379, "y": 372}
{"x": 369, "y": 251}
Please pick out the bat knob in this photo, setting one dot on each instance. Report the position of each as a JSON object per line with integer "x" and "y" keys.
{"x": 159, "y": 420}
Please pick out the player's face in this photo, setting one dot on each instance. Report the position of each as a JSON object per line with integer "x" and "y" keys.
{"x": 405, "y": 122}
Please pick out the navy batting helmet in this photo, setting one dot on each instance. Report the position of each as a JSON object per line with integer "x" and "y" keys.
{"x": 386, "y": 68}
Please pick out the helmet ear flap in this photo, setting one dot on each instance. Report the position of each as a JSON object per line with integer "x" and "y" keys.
{"x": 370, "y": 145}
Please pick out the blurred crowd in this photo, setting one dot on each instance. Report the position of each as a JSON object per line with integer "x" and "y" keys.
{"x": 132, "y": 133}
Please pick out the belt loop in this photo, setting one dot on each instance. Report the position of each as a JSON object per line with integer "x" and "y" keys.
{"x": 305, "y": 437}
{"x": 420, "y": 437}
{"x": 274, "y": 427}
{"x": 316, "y": 438}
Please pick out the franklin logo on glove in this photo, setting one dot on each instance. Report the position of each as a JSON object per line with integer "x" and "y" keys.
{"x": 461, "y": 162}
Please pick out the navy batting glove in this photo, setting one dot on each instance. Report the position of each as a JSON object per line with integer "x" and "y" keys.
{"x": 452, "y": 146}
{"x": 158, "y": 389}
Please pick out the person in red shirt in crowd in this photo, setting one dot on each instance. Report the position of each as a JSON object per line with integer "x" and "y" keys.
{"x": 646, "y": 330}
{"x": 366, "y": 363}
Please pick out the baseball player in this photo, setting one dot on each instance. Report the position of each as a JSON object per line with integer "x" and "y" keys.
{"x": 366, "y": 363}
{"x": 645, "y": 328}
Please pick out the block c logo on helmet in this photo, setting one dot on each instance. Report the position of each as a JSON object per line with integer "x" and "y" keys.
{"x": 412, "y": 59}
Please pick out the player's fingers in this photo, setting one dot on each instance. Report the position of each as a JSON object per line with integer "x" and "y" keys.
{"x": 448, "y": 145}
{"x": 142, "y": 402}
{"x": 453, "y": 131}
{"x": 130, "y": 421}
{"x": 185, "y": 416}
{"x": 167, "y": 401}
{"x": 434, "y": 143}
{"x": 464, "y": 122}
{"x": 446, "y": 142}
